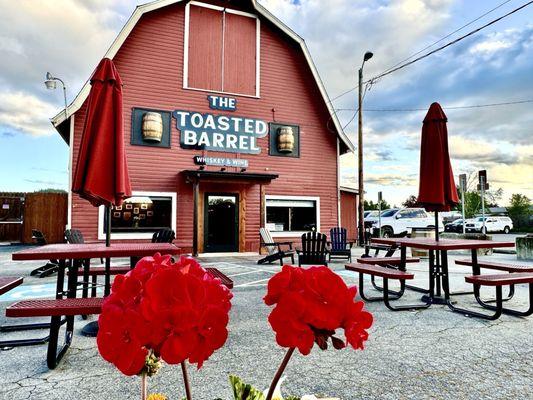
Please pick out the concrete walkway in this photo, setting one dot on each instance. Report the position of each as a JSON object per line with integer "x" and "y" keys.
{"x": 429, "y": 354}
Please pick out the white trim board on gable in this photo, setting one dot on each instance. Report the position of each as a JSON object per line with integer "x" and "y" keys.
{"x": 154, "y": 5}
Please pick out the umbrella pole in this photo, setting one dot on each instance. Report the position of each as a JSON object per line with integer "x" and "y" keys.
{"x": 108, "y": 244}
{"x": 437, "y": 226}
{"x": 91, "y": 329}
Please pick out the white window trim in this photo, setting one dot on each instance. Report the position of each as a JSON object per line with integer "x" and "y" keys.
{"x": 186, "y": 50}
{"x": 284, "y": 197}
{"x": 136, "y": 235}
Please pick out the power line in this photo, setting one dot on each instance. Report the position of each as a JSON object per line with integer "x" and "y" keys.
{"x": 367, "y": 87}
{"x": 448, "y": 35}
{"x": 399, "y": 66}
{"x": 448, "y": 44}
{"x": 444, "y": 107}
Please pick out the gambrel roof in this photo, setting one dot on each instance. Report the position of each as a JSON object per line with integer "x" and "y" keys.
{"x": 58, "y": 119}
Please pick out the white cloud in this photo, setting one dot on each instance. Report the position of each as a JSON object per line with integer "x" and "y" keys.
{"x": 25, "y": 113}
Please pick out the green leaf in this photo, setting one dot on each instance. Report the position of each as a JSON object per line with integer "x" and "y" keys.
{"x": 244, "y": 391}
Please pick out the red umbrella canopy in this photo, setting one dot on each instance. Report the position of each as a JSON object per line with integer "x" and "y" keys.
{"x": 437, "y": 190}
{"x": 101, "y": 174}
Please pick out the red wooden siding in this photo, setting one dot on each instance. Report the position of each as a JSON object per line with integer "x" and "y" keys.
{"x": 240, "y": 38}
{"x": 205, "y": 49}
{"x": 287, "y": 85}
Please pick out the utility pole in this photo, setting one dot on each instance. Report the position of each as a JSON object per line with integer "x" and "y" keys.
{"x": 462, "y": 184}
{"x": 368, "y": 55}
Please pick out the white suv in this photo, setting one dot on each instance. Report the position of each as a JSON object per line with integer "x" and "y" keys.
{"x": 397, "y": 221}
{"x": 492, "y": 224}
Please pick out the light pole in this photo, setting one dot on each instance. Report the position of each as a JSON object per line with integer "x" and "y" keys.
{"x": 368, "y": 55}
{"x": 51, "y": 84}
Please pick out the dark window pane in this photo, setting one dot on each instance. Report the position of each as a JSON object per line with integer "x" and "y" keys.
{"x": 279, "y": 217}
{"x": 293, "y": 217}
{"x": 303, "y": 218}
{"x": 142, "y": 214}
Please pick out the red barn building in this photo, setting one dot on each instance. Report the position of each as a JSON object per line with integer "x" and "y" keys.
{"x": 228, "y": 128}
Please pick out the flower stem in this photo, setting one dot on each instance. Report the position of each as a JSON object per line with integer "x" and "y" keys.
{"x": 186, "y": 381}
{"x": 280, "y": 371}
{"x": 144, "y": 385}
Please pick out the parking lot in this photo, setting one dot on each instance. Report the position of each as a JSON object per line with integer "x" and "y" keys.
{"x": 427, "y": 354}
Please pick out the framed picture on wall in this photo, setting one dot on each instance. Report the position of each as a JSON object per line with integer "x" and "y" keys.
{"x": 144, "y": 206}
{"x": 149, "y": 213}
{"x": 142, "y": 216}
{"x": 126, "y": 216}
{"x": 129, "y": 206}
{"x": 118, "y": 208}
{"x": 116, "y": 215}
{"x": 136, "y": 210}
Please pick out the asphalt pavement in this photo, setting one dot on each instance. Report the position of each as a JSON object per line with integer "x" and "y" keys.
{"x": 427, "y": 354}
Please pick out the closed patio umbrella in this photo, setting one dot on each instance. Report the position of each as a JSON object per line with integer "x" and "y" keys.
{"x": 437, "y": 190}
{"x": 101, "y": 174}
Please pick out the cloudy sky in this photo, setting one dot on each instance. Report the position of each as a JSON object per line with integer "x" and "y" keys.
{"x": 68, "y": 37}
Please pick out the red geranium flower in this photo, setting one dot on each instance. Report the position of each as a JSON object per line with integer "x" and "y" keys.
{"x": 310, "y": 305}
{"x": 175, "y": 310}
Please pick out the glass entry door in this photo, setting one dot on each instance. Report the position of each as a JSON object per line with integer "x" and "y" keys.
{"x": 221, "y": 225}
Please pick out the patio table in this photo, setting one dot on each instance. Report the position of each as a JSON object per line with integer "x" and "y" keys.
{"x": 71, "y": 256}
{"x": 438, "y": 270}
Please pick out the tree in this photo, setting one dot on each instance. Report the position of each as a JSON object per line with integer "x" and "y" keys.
{"x": 519, "y": 210}
{"x": 473, "y": 197}
{"x": 370, "y": 205}
{"x": 411, "y": 202}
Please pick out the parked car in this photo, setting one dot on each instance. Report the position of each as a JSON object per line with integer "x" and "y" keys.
{"x": 400, "y": 221}
{"x": 371, "y": 216}
{"x": 455, "y": 226}
{"x": 492, "y": 224}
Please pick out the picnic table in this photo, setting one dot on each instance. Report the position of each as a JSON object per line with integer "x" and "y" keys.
{"x": 438, "y": 266}
{"x": 71, "y": 256}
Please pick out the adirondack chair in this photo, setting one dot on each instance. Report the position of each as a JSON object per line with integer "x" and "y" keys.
{"x": 274, "y": 250}
{"x": 339, "y": 246}
{"x": 314, "y": 250}
{"x": 51, "y": 266}
{"x": 165, "y": 235}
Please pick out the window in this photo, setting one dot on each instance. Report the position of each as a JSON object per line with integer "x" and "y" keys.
{"x": 140, "y": 216}
{"x": 389, "y": 213}
{"x": 221, "y": 50}
{"x": 292, "y": 215}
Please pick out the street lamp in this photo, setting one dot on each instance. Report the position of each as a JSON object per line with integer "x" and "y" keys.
{"x": 368, "y": 55}
{"x": 51, "y": 84}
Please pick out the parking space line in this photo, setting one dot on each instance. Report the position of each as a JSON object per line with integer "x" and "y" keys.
{"x": 243, "y": 273}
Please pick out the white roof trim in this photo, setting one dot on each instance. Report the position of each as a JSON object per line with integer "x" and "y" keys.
{"x": 154, "y": 5}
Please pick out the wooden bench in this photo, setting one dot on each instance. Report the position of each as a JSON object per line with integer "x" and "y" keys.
{"x": 225, "y": 280}
{"x": 392, "y": 261}
{"x": 498, "y": 281}
{"x": 497, "y": 266}
{"x": 386, "y": 274}
{"x": 56, "y": 308}
{"x": 7, "y": 284}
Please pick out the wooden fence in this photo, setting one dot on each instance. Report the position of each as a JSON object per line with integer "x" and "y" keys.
{"x": 46, "y": 212}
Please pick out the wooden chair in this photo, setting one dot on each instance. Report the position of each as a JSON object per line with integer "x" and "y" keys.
{"x": 274, "y": 249}
{"x": 51, "y": 266}
{"x": 339, "y": 246}
{"x": 314, "y": 250}
{"x": 165, "y": 235}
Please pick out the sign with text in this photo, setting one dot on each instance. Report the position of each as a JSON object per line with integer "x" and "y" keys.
{"x": 225, "y": 133}
{"x": 221, "y": 161}
{"x": 222, "y": 103}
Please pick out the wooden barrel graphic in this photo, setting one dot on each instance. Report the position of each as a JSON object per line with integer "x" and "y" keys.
{"x": 152, "y": 127}
{"x": 285, "y": 139}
